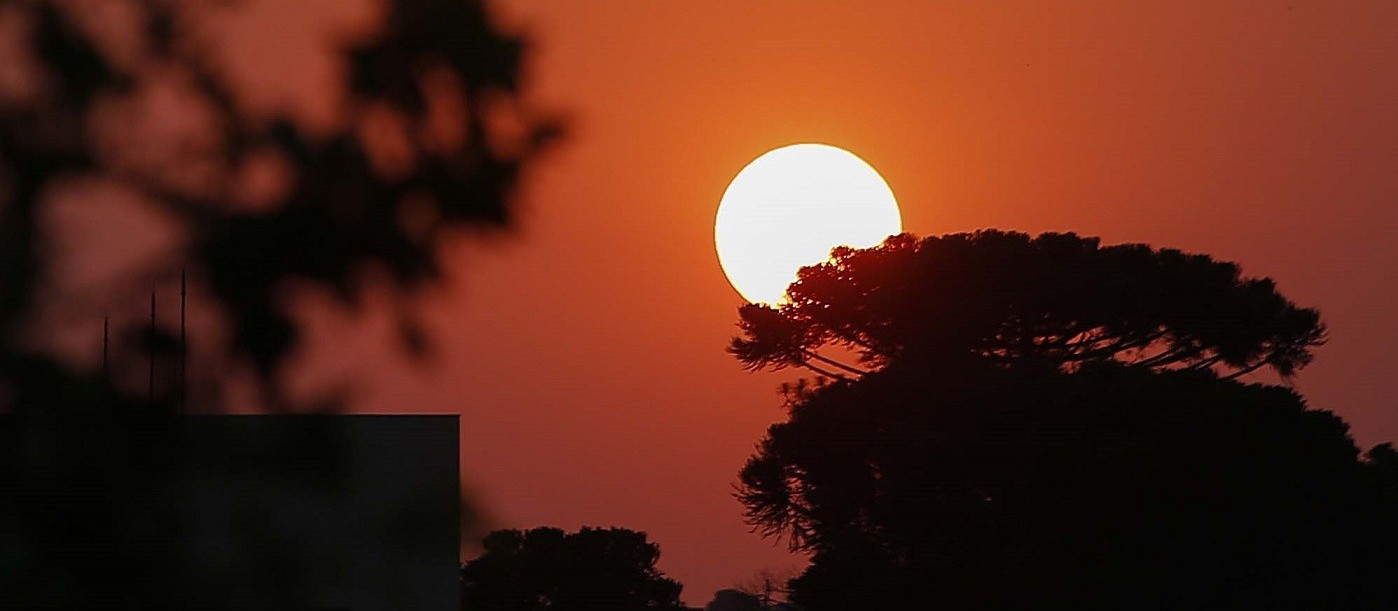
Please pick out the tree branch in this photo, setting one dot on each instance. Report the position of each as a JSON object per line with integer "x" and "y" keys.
{"x": 828, "y": 374}
{"x": 833, "y": 362}
{"x": 1246, "y": 370}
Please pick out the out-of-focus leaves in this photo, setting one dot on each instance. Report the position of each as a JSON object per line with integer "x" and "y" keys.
{"x": 420, "y": 150}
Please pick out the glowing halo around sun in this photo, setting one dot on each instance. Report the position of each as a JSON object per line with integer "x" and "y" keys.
{"x": 786, "y": 209}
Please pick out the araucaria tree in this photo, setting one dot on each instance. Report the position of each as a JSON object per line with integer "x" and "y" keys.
{"x": 1040, "y": 422}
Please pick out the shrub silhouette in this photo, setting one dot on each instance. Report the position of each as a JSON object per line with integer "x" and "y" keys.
{"x": 595, "y": 569}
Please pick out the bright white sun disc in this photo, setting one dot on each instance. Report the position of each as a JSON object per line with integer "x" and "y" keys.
{"x": 789, "y": 207}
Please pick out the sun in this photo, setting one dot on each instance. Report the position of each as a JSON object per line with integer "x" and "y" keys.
{"x": 789, "y": 207}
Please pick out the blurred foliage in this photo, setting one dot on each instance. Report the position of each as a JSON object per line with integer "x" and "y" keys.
{"x": 430, "y": 135}
{"x": 134, "y": 100}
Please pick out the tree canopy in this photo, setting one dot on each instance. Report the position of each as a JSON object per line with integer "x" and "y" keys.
{"x": 1054, "y": 301}
{"x": 1048, "y": 423}
{"x": 594, "y": 569}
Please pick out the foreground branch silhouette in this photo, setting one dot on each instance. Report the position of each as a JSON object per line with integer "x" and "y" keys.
{"x": 145, "y": 109}
{"x": 135, "y": 102}
{"x": 1048, "y": 423}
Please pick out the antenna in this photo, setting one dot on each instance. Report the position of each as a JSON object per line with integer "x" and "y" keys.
{"x": 150, "y": 387}
{"x": 184, "y": 284}
{"x": 106, "y": 367}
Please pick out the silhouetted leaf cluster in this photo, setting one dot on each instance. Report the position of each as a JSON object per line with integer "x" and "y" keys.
{"x": 420, "y": 146}
{"x": 594, "y": 569}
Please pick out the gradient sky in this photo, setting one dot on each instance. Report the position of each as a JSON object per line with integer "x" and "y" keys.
{"x": 585, "y": 350}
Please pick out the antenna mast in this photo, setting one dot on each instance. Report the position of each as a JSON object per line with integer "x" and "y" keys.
{"x": 184, "y": 386}
{"x": 106, "y": 367}
{"x": 150, "y": 384}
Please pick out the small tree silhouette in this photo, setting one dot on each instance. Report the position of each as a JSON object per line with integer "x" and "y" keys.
{"x": 733, "y": 599}
{"x": 595, "y": 569}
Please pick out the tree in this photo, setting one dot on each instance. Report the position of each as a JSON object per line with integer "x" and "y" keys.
{"x": 1015, "y": 448}
{"x": 595, "y": 569}
{"x": 766, "y": 589}
{"x": 735, "y": 600}
{"x": 768, "y": 586}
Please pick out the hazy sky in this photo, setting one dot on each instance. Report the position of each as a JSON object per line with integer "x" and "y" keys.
{"x": 585, "y": 351}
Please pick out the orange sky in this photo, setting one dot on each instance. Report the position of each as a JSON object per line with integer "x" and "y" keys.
{"x": 585, "y": 352}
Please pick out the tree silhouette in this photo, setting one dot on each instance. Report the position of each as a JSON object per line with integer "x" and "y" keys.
{"x": 1011, "y": 447}
{"x": 766, "y": 589}
{"x": 735, "y": 600}
{"x": 595, "y": 569}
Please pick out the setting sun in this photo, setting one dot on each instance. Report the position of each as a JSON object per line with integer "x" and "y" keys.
{"x": 789, "y": 207}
